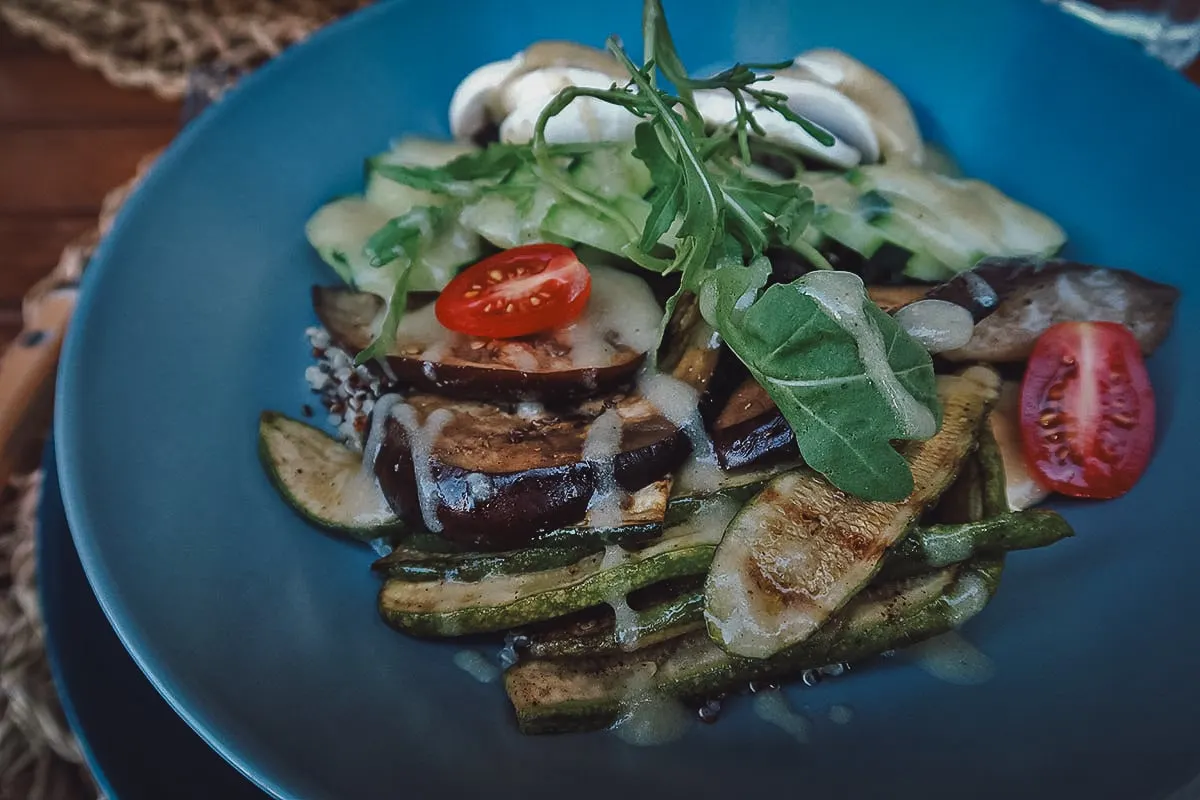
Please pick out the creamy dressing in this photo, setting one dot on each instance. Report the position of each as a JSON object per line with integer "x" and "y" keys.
{"x": 937, "y": 325}
{"x": 953, "y": 659}
{"x": 773, "y": 707}
{"x": 621, "y": 309}
{"x": 626, "y": 625}
{"x": 841, "y": 296}
{"x": 477, "y": 666}
{"x": 420, "y": 444}
{"x": 649, "y": 717}
{"x": 361, "y": 493}
{"x": 680, "y": 403}
{"x": 982, "y": 293}
{"x": 600, "y": 449}
{"x": 530, "y": 410}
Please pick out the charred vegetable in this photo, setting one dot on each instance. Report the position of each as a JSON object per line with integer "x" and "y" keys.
{"x": 577, "y": 694}
{"x": 488, "y": 477}
{"x": 322, "y": 479}
{"x": 597, "y": 355}
{"x": 1025, "y": 297}
{"x": 453, "y": 608}
{"x": 801, "y": 549}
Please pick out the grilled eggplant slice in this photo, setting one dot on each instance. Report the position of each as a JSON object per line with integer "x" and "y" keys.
{"x": 493, "y": 478}
{"x": 1027, "y": 296}
{"x": 750, "y": 430}
{"x": 598, "y": 355}
{"x": 801, "y": 549}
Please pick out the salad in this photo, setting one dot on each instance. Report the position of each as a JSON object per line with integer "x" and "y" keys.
{"x": 677, "y": 383}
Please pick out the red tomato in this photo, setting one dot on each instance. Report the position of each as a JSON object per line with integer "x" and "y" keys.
{"x": 515, "y": 293}
{"x": 1087, "y": 410}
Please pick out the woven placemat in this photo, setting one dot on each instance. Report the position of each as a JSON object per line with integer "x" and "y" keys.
{"x": 156, "y": 44}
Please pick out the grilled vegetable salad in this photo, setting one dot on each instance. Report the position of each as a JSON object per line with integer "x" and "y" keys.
{"x": 683, "y": 387}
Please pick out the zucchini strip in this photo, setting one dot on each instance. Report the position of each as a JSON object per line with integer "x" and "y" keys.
{"x": 802, "y": 548}
{"x": 578, "y": 694}
{"x": 322, "y": 479}
{"x": 551, "y": 550}
{"x": 925, "y": 548}
{"x": 453, "y": 608}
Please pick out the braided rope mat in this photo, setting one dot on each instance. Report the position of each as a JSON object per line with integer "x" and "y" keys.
{"x": 155, "y": 44}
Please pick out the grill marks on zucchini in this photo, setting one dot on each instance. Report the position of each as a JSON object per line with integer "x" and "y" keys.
{"x": 453, "y": 608}
{"x": 802, "y": 548}
{"x": 322, "y": 479}
{"x": 578, "y": 694}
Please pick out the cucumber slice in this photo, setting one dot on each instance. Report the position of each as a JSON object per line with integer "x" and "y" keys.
{"x": 801, "y": 549}
{"x": 512, "y": 217}
{"x": 570, "y": 221}
{"x": 611, "y": 172}
{"x": 322, "y": 479}
{"x": 579, "y": 694}
{"x": 396, "y": 198}
{"x": 338, "y": 231}
{"x": 453, "y": 608}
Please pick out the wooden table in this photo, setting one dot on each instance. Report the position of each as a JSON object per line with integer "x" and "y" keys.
{"x": 66, "y": 138}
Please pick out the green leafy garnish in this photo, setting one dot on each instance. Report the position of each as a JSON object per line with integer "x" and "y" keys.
{"x": 398, "y": 246}
{"x": 848, "y": 387}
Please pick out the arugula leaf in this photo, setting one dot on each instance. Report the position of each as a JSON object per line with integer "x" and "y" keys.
{"x": 845, "y": 403}
{"x": 398, "y": 246}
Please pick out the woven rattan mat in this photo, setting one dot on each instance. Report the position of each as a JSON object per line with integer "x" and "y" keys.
{"x": 160, "y": 45}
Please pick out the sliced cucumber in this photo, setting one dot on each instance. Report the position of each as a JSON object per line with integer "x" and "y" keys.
{"x": 801, "y": 548}
{"x": 322, "y": 479}
{"x": 510, "y": 217}
{"x": 396, "y": 198}
{"x": 578, "y": 694}
{"x": 453, "y": 608}
{"x": 611, "y": 172}
{"x": 338, "y": 231}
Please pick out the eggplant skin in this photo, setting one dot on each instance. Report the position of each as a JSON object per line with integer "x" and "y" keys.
{"x": 546, "y": 484}
{"x": 1034, "y": 294}
{"x": 475, "y": 368}
{"x": 750, "y": 430}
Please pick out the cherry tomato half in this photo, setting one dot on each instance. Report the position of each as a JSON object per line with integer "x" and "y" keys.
{"x": 515, "y": 293}
{"x": 1087, "y": 410}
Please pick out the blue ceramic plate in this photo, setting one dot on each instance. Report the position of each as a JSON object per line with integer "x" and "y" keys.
{"x": 262, "y": 633}
{"x": 135, "y": 745}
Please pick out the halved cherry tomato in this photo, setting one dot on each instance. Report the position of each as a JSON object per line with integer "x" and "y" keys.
{"x": 1087, "y": 410}
{"x": 515, "y": 293}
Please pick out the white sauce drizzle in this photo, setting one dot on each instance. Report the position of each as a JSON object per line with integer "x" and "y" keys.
{"x": 361, "y": 492}
{"x": 649, "y": 717}
{"x": 626, "y": 622}
{"x": 773, "y": 707}
{"x": 530, "y": 410}
{"x": 620, "y": 303}
{"x": 953, "y": 659}
{"x": 420, "y": 445}
{"x": 480, "y": 487}
{"x": 937, "y": 325}
{"x": 477, "y": 666}
{"x": 680, "y": 403}
{"x": 841, "y": 295}
{"x": 982, "y": 292}
{"x": 600, "y": 448}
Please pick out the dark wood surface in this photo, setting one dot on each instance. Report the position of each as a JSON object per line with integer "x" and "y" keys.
{"x": 66, "y": 138}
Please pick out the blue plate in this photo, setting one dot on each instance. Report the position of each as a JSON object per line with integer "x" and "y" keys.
{"x": 135, "y": 745}
{"x": 262, "y": 633}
